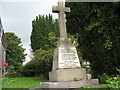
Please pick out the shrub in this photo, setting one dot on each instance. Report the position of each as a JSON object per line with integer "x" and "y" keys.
{"x": 113, "y": 82}
{"x": 40, "y": 65}
{"x": 103, "y": 78}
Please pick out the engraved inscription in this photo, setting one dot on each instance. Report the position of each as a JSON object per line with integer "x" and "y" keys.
{"x": 69, "y": 64}
{"x": 68, "y": 56}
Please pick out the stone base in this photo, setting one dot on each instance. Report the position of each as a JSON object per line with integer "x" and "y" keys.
{"x": 62, "y": 75}
{"x": 73, "y": 84}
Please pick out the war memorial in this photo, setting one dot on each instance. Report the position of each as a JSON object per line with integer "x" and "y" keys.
{"x": 66, "y": 64}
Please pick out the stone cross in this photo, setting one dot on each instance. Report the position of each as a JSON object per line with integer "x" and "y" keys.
{"x": 62, "y": 24}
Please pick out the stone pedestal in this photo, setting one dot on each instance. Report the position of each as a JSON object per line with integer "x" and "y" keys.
{"x": 62, "y": 75}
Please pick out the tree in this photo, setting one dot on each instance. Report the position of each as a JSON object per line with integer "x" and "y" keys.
{"x": 14, "y": 53}
{"x": 98, "y": 25}
{"x": 40, "y": 65}
{"x": 41, "y": 26}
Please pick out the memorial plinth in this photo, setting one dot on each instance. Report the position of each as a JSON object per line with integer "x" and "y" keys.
{"x": 72, "y": 84}
{"x": 66, "y": 67}
{"x": 62, "y": 75}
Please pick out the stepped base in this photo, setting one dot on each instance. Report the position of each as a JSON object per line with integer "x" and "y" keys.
{"x": 73, "y": 84}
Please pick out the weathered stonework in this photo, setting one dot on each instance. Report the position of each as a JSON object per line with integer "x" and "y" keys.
{"x": 63, "y": 75}
{"x": 65, "y": 56}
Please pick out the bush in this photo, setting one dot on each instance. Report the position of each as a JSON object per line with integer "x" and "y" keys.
{"x": 40, "y": 65}
{"x": 103, "y": 78}
{"x": 113, "y": 82}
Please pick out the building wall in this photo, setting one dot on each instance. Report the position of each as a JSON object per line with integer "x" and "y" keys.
{"x": 2, "y": 50}
{"x": 1, "y": 59}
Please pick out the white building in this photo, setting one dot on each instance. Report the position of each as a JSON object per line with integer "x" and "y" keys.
{"x": 2, "y": 49}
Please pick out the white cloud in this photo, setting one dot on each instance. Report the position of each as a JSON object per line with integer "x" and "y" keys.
{"x": 17, "y": 16}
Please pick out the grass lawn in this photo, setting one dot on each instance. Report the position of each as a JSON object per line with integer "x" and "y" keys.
{"x": 22, "y": 82}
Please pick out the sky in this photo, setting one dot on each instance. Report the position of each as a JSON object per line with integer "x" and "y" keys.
{"x": 17, "y": 17}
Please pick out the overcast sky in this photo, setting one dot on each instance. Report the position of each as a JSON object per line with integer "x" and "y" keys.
{"x": 17, "y": 16}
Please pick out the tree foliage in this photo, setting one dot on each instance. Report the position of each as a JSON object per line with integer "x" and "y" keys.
{"x": 40, "y": 65}
{"x": 41, "y": 26}
{"x": 98, "y": 25}
{"x": 14, "y": 53}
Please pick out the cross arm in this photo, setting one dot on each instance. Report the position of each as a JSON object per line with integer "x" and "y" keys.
{"x": 55, "y": 9}
{"x": 67, "y": 9}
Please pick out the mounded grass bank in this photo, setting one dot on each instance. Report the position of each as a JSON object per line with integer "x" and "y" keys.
{"x": 22, "y": 82}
